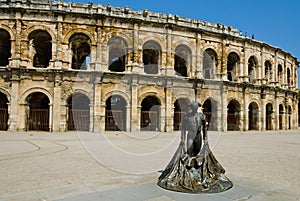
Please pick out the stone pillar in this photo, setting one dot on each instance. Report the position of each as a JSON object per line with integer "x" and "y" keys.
{"x": 169, "y": 109}
{"x": 98, "y": 57}
{"x": 128, "y": 108}
{"x": 97, "y": 104}
{"x": 276, "y": 113}
{"x": 224, "y": 110}
{"x": 135, "y": 108}
{"x": 137, "y": 54}
{"x": 91, "y": 127}
{"x": 246, "y": 112}
{"x": 16, "y": 45}
{"x": 56, "y": 105}
{"x": 162, "y": 119}
{"x": 263, "y": 115}
{"x": 15, "y": 110}
{"x": 169, "y": 56}
{"x": 224, "y": 63}
{"x": 197, "y": 70}
{"x": 50, "y": 117}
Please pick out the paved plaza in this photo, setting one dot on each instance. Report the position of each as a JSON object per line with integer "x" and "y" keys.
{"x": 71, "y": 166}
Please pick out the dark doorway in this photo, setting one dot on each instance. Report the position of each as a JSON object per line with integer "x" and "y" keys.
{"x": 233, "y": 62}
{"x": 3, "y": 112}
{"x": 210, "y": 111}
{"x": 117, "y": 54}
{"x": 79, "y": 112}
{"x": 182, "y": 60}
{"x": 253, "y": 116}
{"x": 233, "y": 116}
{"x": 81, "y": 49}
{"x": 269, "y": 115}
{"x": 150, "y": 114}
{"x": 115, "y": 114}
{"x": 38, "y": 115}
{"x": 5, "y": 47}
{"x": 180, "y": 109}
{"x": 151, "y": 57}
{"x": 281, "y": 113}
{"x": 40, "y": 46}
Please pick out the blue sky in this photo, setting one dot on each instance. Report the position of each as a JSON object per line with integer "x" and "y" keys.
{"x": 276, "y": 22}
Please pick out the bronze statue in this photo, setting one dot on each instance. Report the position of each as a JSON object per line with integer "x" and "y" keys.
{"x": 193, "y": 168}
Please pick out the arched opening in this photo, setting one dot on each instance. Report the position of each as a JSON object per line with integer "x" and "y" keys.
{"x": 40, "y": 48}
{"x": 182, "y": 60}
{"x": 253, "y": 116}
{"x": 210, "y": 111}
{"x": 269, "y": 116}
{"x": 38, "y": 114}
{"x": 233, "y": 63}
{"x": 288, "y": 77}
{"x": 117, "y": 54}
{"x": 252, "y": 68}
{"x": 180, "y": 109}
{"x": 233, "y": 116}
{"x": 281, "y": 113}
{"x": 268, "y": 71}
{"x": 150, "y": 114}
{"x": 115, "y": 113}
{"x": 3, "y": 112}
{"x": 279, "y": 73}
{"x": 81, "y": 50}
{"x": 289, "y": 117}
{"x": 5, "y": 47}
{"x": 79, "y": 112}
{"x": 210, "y": 62}
{"x": 151, "y": 57}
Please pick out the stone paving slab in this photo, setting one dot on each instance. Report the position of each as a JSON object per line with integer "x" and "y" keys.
{"x": 244, "y": 189}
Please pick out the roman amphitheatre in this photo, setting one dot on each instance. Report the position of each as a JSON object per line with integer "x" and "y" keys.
{"x": 70, "y": 66}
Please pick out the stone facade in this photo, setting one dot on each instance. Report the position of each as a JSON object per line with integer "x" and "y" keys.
{"x": 70, "y": 66}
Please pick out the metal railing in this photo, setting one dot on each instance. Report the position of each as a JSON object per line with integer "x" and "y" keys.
{"x": 38, "y": 119}
{"x": 79, "y": 120}
{"x": 115, "y": 120}
{"x": 3, "y": 118}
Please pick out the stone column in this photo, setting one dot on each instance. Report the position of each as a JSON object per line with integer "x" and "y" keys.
{"x": 128, "y": 119}
{"x": 276, "y": 113}
{"x": 246, "y": 112}
{"x": 223, "y": 64}
{"x": 15, "y": 60}
{"x": 56, "y": 105}
{"x": 169, "y": 56}
{"x": 135, "y": 108}
{"x": 198, "y": 68}
{"x": 263, "y": 115}
{"x": 50, "y": 117}
{"x": 15, "y": 110}
{"x": 91, "y": 127}
{"x": 169, "y": 109}
{"x": 57, "y": 53}
{"x": 224, "y": 109}
{"x": 137, "y": 54}
{"x": 98, "y": 57}
{"x": 162, "y": 119}
{"x": 97, "y": 104}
